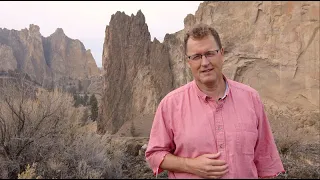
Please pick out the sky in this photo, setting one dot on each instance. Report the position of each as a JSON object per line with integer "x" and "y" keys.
{"x": 87, "y": 20}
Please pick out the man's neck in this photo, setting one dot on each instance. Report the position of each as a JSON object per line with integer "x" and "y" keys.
{"x": 215, "y": 89}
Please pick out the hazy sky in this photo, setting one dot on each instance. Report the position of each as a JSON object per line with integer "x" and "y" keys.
{"x": 87, "y": 21}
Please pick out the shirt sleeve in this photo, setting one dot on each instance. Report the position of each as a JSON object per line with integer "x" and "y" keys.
{"x": 266, "y": 158}
{"x": 161, "y": 138}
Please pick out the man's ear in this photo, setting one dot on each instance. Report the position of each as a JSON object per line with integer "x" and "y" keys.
{"x": 222, "y": 54}
{"x": 222, "y": 51}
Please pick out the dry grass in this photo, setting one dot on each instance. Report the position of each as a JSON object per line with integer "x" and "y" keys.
{"x": 301, "y": 162}
{"x": 296, "y": 133}
{"x": 47, "y": 130}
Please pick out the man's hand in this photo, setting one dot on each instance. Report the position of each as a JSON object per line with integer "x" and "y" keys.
{"x": 207, "y": 166}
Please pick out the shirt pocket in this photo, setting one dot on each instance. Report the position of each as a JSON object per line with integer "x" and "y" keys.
{"x": 248, "y": 139}
{"x": 247, "y": 135}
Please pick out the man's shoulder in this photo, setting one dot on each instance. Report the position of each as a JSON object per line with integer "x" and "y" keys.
{"x": 242, "y": 87}
{"x": 178, "y": 92}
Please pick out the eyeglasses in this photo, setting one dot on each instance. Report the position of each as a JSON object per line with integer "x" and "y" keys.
{"x": 209, "y": 55}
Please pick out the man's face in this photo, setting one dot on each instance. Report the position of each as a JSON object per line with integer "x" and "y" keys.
{"x": 205, "y": 70}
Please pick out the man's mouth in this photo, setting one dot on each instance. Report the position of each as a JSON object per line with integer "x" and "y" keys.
{"x": 207, "y": 70}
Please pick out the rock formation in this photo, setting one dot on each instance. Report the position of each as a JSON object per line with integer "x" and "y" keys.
{"x": 137, "y": 72}
{"x": 271, "y": 46}
{"x": 7, "y": 59}
{"x": 24, "y": 51}
{"x": 45, "y": 60}
{"x": 68, "y": 58}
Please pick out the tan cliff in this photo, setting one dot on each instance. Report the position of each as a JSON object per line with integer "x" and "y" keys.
{"x": 271, "y": 46}
{"x": 137, "y": 72}
{"x": 23, "y": 50}
{"x": 46, "y": 60}
{"x": 69, "y": 58}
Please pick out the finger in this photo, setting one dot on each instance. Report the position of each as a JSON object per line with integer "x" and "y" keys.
{"x": 221, "y": 173}
{"x": 212, "y": 169}
{"x": 213, "y": 156}
{"x": 211, "y": 177}
{"x": 215, "y": 162}
{"x": 219, "y": 168}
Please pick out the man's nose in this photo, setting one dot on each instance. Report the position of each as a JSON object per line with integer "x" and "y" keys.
{"x": 204, "y": 61}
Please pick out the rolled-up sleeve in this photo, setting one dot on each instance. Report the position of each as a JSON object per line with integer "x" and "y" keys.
{"x": 267, "y": 158}
{"x": 161, "y": 138}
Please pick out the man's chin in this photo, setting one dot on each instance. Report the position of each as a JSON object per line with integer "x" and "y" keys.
{"x": 208, "y": 80}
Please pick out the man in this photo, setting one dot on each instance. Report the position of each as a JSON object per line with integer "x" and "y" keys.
{"x": 212, "y": 127}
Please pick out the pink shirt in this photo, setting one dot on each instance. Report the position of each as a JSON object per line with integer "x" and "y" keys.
{"x": 188, "y": 124}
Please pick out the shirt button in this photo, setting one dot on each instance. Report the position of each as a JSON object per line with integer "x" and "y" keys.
{"x": 221, "y": 146}
{"x": 219, "y": 107}
{"x": 219, "y": 128}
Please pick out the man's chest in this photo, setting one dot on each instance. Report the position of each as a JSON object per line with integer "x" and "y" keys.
{"x": 209, "y": 128}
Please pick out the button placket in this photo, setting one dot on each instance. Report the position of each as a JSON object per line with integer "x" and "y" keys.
{"x": 220, "y": 134}
{"x": 218, "y": 128}
{"x": 210, "y": 111}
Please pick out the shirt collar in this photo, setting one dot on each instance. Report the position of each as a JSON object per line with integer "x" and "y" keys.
{"x": 204, "y": 97}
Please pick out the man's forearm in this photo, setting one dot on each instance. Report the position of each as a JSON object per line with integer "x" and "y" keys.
{"x": 176, "y": 164}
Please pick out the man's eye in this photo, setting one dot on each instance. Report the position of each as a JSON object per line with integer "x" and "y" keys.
{"x": 195, "y": 57}
{"x": 211, "y": 53}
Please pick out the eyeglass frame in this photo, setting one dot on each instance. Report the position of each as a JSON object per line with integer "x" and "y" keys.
{"x": 205, "y": 54}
